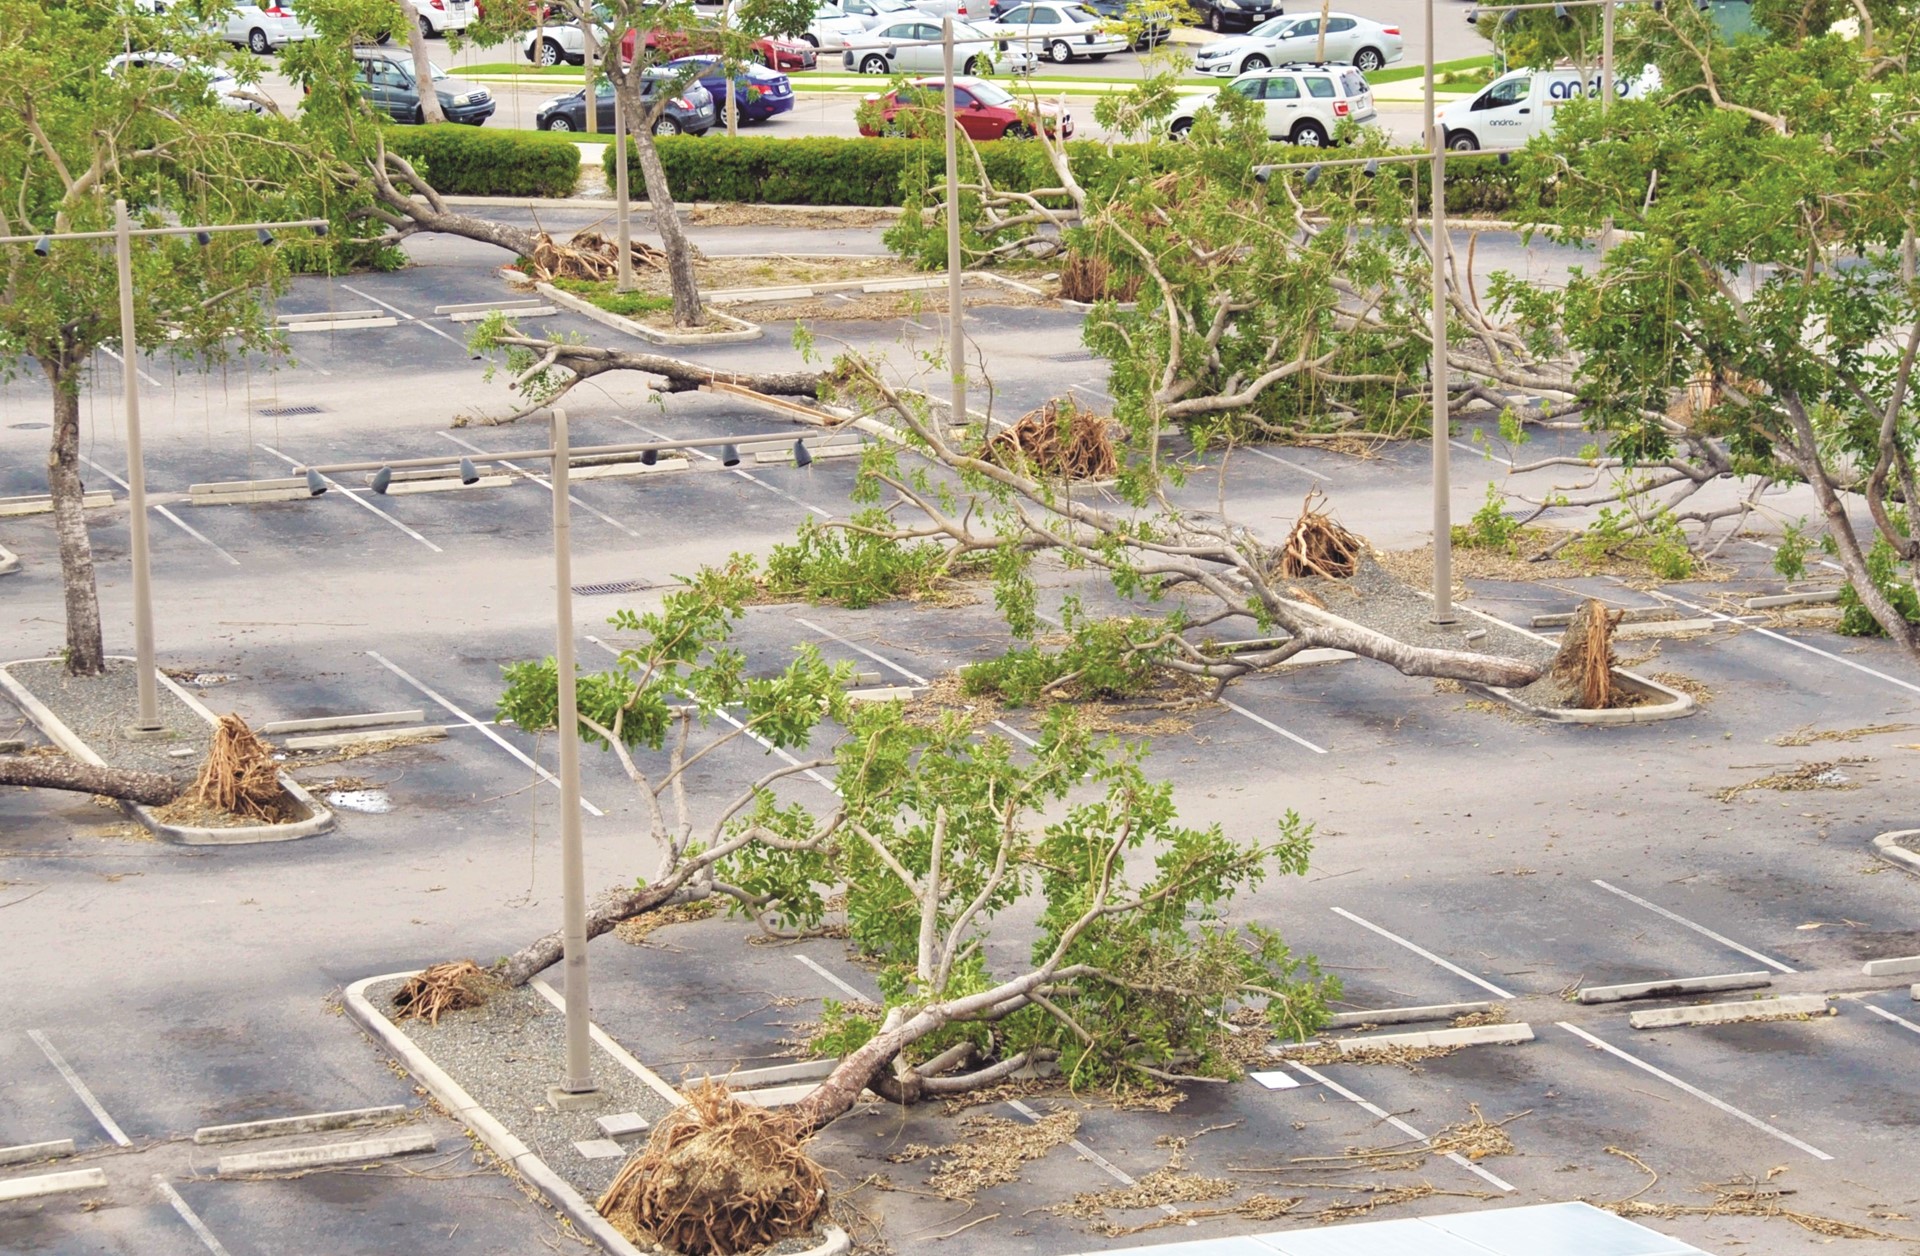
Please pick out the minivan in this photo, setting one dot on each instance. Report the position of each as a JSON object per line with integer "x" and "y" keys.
{"x": 1519, "y": 105}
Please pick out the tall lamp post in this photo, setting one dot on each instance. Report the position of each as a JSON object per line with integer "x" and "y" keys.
{"x": 1437, "y": 373}
{"x": 956, "y": 340}
{"x": 123, "y": 234}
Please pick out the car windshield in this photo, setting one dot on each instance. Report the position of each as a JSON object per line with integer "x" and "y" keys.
{"x": 962, "y": 30}
{"x": 1077, "y": 14}
{"x": 989, "y": 93}
{"x": 1272, "y": 29}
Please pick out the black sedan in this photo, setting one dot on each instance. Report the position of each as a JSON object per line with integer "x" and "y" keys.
{"x": 690, "y": 111}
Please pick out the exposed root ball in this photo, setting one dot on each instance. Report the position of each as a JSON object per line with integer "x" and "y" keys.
{"x": 1088, "y": 279}
{"x": 1318, "y": 546}
{"x": 239, "y": 776}
{"x": 589, "y": 255}
{"x": 718, "y": 1176}
{"x": 443, "y": 988}
{"x": 1060, "y": 440}
{"x": 1583, "y": 669}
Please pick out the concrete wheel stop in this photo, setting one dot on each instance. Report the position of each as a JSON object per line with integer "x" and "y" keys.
{"x": 308, "y": 815}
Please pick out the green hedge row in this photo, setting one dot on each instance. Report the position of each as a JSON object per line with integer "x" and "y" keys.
{"x": 474, "y": 161}
{"x": 833, "y": 170}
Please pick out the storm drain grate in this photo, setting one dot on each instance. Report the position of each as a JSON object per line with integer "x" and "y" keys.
{"x": 611, "y": 586}
{"x": 281, "y": 412}
{"x": 1078, "y": 355}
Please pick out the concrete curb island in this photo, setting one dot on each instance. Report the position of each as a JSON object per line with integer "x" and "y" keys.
{"x": 319, "y": 817}
{"x": 462, "y": 1108}
{"x": 9, "y": 561}
{"x": 1891, "y": 847}
{"x": 740, "y": 330}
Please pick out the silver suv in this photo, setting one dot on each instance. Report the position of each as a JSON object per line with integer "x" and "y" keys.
{"x": 1304, "y": 104}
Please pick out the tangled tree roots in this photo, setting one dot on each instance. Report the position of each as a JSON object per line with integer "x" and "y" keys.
{"x": 1060, "y": 440}
{"x": 1318, "y": 546}
{"x": 444, "y": 988}
{"x": 239, "y": 776}
{"x": 1090, "y": 279}
{"x": 1583, "y": 669}
{"x": 718, "y": 1176}
{"x": 589, "y": 255}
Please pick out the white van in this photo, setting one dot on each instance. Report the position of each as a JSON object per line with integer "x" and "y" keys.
{"x": 1519, "y": 105}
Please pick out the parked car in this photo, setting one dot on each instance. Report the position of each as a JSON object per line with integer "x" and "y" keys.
{"x": 831, "y": 27}
{"x": 1364, "y": 44}
{"x": 1156, "y": 23}
{"x": 386, "y": 79}
{"x": 974, "y": 51}
{"x": 216, "y": 79}
{"x": 878, "y": 12}
{"x": 775, "y": 54}
{"x": 690, "y": 111}
{"x": 785, "y": 54}
{"x": 264, "y": 29}
{"x": 562, "y": 41}
{"x": 437, "y": 17}
{"x": 937, "y": 9}
{"x": 760, "y": 93}
{"x": 1517, "y": 106}
{"x": 1303, "y": 105}
{"x": 1063, "y": 32}
{"x": 984, "y": 109}
{"x": 1235, "y": 15}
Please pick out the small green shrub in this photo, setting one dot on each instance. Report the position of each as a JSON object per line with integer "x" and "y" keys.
{"x": 851, "y": 567}
{"x": 1883, "y": 568}
{"x": 603, "y": 294}
{"x": 460, "y": 160}
{"x": 1790, "y": 559}
{"x": 1491, "y": 528}
{"x": 1105, "y": 659}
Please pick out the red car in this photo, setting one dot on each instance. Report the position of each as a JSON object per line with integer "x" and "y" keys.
{"x": 775, "y": 54}
{"x": 985, "y": 110}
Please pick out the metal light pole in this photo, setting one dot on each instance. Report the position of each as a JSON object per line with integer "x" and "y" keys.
{"x": 1437, "y": 365}
{"x": 623, "y": 215}
{"x": 592, "y": 109}
{"x": 573, "y": 876}
{"x": 956, "y": 343}
{"x": 149, "y": 718}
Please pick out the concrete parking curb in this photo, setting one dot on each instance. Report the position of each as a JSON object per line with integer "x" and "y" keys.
{"x": 1891, "y": 847}
{"x": 462, "y": 1107}
{"x": 365, "y": 1151}
{"x": 1471, "y": 1036}
{"x": 1733, "y": 1013}
{"x": 741, "y": 330}
{"x": 319, "y": 817}
{"x": 9, "y": 561}
{"x": 1674, "y": 987}
{"x": 1672, "y": 704}
{"x": 51, "y": 1184}
{"x": 27, "y": 1153}
{"x": 313, "y": 1123}
{"x": 1894, "y": 967}
{"x": 1404, "y": 1015}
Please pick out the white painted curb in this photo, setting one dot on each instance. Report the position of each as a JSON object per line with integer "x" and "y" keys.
{"x": 1891, "y": 967}
{"x": 1675, "y": 987}
{"x": 312, "y": 1123}
{"x": 1404, "y": 1015}
{"x": 1889, "y": 847}
{"x": 1733, "y": 1013}
{"x": 412, "y": 1143}
{"x": 741, "y": 332}
{"x": 1472, "y": 1036}
{"x": 51, "y": 1184}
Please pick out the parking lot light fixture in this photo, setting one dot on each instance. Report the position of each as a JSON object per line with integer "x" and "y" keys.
{"x": 381, "y": 479}
{"x": 729, "y": 456}
{"x": 801, "y": 456}
{"x": 203, "y": 238}
{"x": 263, "y": 235}
{"x": 43, "y": 246}
{"x": 1560, "y": 11}
{"x": 467, "y": 474}
{"x": 315, "y": 484}
{"x": 649, "y": 457}
{"x": 1313, "y": 176}
{"x": 1371, "y": 169}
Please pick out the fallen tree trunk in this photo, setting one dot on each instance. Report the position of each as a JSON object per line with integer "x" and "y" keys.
{"x": 543, "y": 953}
{"x": 586, "y": 361}
{"x": 154, "y": 789}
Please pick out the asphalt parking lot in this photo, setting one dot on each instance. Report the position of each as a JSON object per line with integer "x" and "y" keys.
{"x": 1462, "y": 854}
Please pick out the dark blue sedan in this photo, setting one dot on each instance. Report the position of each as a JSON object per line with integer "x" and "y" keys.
{"x": 761, "y": 92}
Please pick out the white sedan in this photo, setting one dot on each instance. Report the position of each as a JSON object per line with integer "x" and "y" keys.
{"x": 914, "y": 48}
{"x": 1366, "y": 45}
{"x": 878, "y": 12}
{"x": 831, "y": 27}
{"x": 1062, "y": 31}
{"x": 218, "y": 80}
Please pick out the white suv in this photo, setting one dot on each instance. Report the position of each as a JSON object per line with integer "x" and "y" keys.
{"x": 1304, "y": 104}
{"x": 437, "y": 17}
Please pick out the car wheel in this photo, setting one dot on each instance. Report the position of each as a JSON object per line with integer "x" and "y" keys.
{"x": 1309, "y": 135}
{"x": 666, "y": 126}
{"x": 558, "y": 122}
{"x": 419, "y": 117}
{"x": 1179, "y": 129}
{"x": 1059, "y": 52}
{"x": 976, "y": 65}
{"x": 1016, "y": 131}
{"x": 810, "y": 39}
{"x": 760, "y": 59}
{"x": 257, "y": 42}
{"x": 1367, "y": 60}
{"x": 426, "y": 28}
{"x": 383, "y": 37}
{"x": 1255, "y": 62}
{"x": 550, "y": 52}
{"x": 875, "y": 64}
{"x": 1462, "y": 141}
{"x": 1215, "y": 24}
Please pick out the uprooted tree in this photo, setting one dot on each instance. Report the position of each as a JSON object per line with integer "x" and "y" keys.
{"x": 1758, "y": 322}
{"x": 932, "y": 834}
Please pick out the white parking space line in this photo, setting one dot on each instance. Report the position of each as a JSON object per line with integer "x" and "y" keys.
{"x": 1678, "y": 919}
{"x": 886, "y": 663}
{"x": 1828, "y": 563}
{"x": 1901, "y": 1021}
{"x": 546, "y": 484}
{"x": 1798, "y": 645}
{"x": 812, "y": 774}
{"x": 420, "y": 323}
{"x": 1480, "y": 452}
{"x": 164, "y": 513}
{"x": 1423, "y": 953}
{"x": 833, "y": 979}
{"x": 485, "y": 731}
{"x": 1398, "y": 1124}
{"x": 1091, "y": 392}
{"x": 1266, "y": 723}
{"x": 58, "y": 1061}
{"x": 189, "y": 1216}
{"x": 1696, "y": 1092}
{"x": 707, "y": 457}
{"x": 356, "y": 500}
{"x": 1292, "y": 466}
{"x": 117, "y": 358}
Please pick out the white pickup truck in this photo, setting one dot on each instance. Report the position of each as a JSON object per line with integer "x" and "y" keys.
{"x": 1520, "y": 104}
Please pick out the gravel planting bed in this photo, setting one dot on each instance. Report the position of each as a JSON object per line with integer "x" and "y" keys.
{"x": 506, "y": 1054}
{"x": 1375, "y": 599}
{"x": 101, "y": 711}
